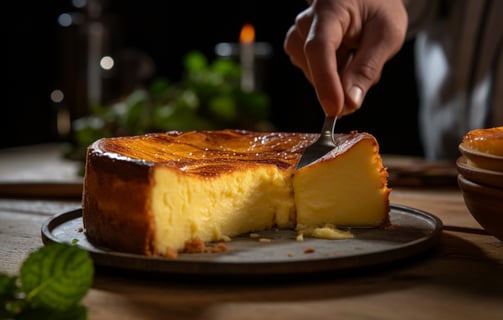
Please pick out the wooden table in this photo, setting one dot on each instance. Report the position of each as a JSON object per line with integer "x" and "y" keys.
{"x": 461, "y": 278}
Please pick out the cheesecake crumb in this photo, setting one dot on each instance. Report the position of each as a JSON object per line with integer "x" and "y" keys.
{"x": 254, "y": 235}
{"x": 309, "y": 250}
{"x": 300, "y": 237}
{"x": 391, "y": 227}
{"x": 197, "y": 245}
{"x": 327, "y": 231}
{"x": 170, "y": 253}
{"x": 264, "y": 240}
{"x": 290, "y": 254}
{"x": 220, "y": 247}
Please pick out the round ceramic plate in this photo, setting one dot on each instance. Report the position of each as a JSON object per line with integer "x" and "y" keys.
{"x": 413, "y": 232}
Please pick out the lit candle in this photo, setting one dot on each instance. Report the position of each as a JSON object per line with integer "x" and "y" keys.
{"x": 252, "y": 56}
{"x": 247, "y": 57}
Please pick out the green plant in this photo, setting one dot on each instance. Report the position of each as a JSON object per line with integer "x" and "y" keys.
{"x": 51, "y": 283}
{"x": 208, "y": 97}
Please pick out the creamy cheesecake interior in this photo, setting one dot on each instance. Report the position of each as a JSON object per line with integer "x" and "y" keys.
{"x": 348, "y": 187}
{"x": 216, "y": 208}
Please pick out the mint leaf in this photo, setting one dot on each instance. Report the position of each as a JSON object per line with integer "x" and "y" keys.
{"x": 7, "y": 286}
{"x": 56, "y": 276}
{"x": 8, "y": 289}
{"x": 74, "y": 313}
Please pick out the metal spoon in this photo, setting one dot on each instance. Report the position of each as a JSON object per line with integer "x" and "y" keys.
{"x": 322, "y": 146}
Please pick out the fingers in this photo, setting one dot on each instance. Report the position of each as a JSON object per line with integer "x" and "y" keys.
{"x": 321, "y": 50}
{"x": 309, "y": 51}
{"x": 295, "y": 40}
{"x": 312, "y": 46}
{"x": 294, "y": 46}
{"x": 381, "y": 39}
{"x": 342, "y": 46}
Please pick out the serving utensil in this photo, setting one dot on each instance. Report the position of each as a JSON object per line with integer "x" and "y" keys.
{"x": 322, "y": 145}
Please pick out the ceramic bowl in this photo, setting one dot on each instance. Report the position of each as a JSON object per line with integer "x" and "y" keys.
{"x": 482, "y": 160}
{"x": 485, "y": 204}
{"x": 481, "y": 176}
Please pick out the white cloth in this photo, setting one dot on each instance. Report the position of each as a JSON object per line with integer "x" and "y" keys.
{"x": 459, "y": 65}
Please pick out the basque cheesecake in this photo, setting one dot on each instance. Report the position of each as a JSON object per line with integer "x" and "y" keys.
{"x": 485, "y": 140}
{"x": 165, "y": 193}
{"x": 483, "y": 148}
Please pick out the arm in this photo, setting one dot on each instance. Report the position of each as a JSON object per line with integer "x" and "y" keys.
{"x": 342, "y": 46}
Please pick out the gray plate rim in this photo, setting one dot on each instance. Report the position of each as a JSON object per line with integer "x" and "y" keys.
{"x": 421, "y": 233}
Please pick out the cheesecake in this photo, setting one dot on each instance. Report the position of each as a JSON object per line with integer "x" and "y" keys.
{"x": 483, "y": 148}
{"x": 160, "y": 194}
{"x": 346, "y": 187}
{"x": 485, "y": 140}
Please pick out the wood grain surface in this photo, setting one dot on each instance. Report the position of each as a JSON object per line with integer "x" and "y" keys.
{"x": 460, "y": 278}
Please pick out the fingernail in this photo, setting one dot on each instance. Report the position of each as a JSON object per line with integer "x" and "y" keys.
{"x": 356, "y": 95}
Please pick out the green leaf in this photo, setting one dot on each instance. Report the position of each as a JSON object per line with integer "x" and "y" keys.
{"x": 57, "y": 276}
{"x": 223, "y": 107}
{"x": 195, "y": 61}
{"x": 7, "y": 286}
{"x": 227, "y": 67}
{"x": 75, "y": 313}
{"x": 8, "y": 303}
{"x": 158, "y": 87}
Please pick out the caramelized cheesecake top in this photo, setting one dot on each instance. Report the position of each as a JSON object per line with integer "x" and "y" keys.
{"x": 487, "y": 140}
{"x": 210, "y": 153}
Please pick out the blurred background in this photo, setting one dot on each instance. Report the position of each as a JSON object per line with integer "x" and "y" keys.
{"x": 50, "y": 83}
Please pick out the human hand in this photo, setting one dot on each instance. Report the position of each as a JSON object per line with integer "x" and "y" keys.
{"x": 342, "y": 46}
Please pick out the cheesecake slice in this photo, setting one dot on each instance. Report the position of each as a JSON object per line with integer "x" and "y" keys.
{"x": 165, "y": 193}
{"x": 347, "y": 187}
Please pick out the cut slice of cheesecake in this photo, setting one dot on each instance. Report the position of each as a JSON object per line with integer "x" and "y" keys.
{"x": 347, "y": 187}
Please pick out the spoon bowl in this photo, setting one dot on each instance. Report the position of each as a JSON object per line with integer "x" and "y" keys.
{"x": 322, "y": 145}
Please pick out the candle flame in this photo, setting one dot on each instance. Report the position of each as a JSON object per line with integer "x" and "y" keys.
{"x": 247, "y": 34}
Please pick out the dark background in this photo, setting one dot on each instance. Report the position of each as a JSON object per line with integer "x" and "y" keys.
{"x": 43, "y": 56}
